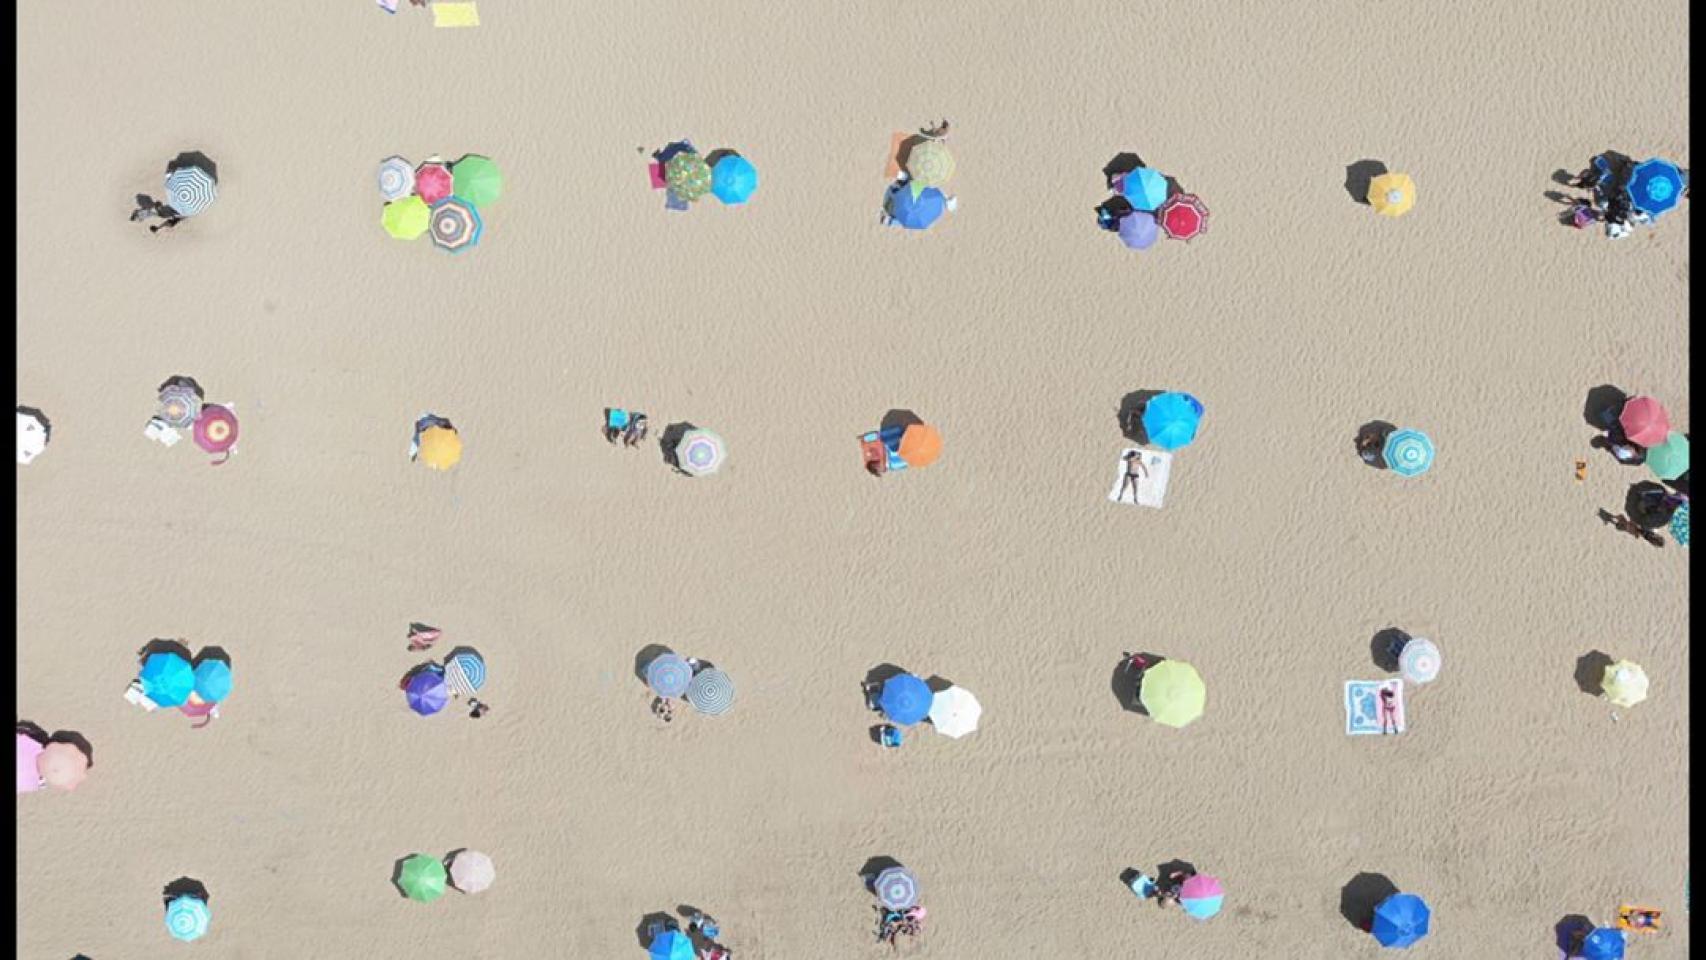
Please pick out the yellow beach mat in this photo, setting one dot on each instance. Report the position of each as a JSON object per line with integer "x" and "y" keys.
{"x": 455, "y": 15}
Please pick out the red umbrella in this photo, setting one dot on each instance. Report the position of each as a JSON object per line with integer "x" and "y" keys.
{"x": 432, "y": 182}
{"x": 1183, "y": 217}
{"x": 1645, "y": 421}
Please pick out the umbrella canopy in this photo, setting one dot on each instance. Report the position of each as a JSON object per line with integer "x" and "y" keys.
{"x": 733, "y": 179}
{"x": 471, "y": 871}
{"x": 1170, "y": 420}
{"x": 711, "y": 692}
{"x": 1655, "y": 186}
{"x": 190, "y": 190}
{"x": 920, "y": 445}
{"x": 187, "y": 917}
{"x": 701, "y": 453}
{"x": 668, "y": 675}
{"x": 433, "y": 182}
{"x": 1624, "y": 683}
{"x": 167, "y": 679}
{"x": 1409, "y": 452}
{"x": 1201, "y": 896}
{"x": 916, "y": 210}
{"x": 215, "y": 428}
{"x": 456, "y": 225}
{"x": 406, "y": 219}
{"x": 180, "y": 405}
{"x": 396, "y": 178}
{"x": 954, "y": 712}
{"x": 897, "y": 888}
{"x": 476, "y": 179}
{"x": 427, "y": 692}
{"x": 1172, "y": 692}
{"x": 1400, "y": 920}
{"x": 465, "y": 672}
{"x": 672, "y": 945}
{"x": 422, "y": 878}
{"x": 440, "y": 447}
{"x": 1679, "y": 525}
{"x": 1644, "y": 421}
{"x": 62, "y": 765}
{"x": 32, "y": 436}
{"x": 1145, "y": 188}
{"x": 213, "y": 680}
{"x": 929, "y": 163}
{"x": 1392, "y": 194}
{"x": 1669, "y": 460}
{"x": 905, "y": 699}
{"x": 1419, "y": 660}
{"x": 1604, "y": 943}
{"x": 688, "y": 175}
{"x": 29, "y": 771}
{"x": 1183, "y": 217}
{"x": 1138, "y": 230}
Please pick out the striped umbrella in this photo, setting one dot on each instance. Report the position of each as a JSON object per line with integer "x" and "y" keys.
{"x": 456, "y": 225}
{"x": 1419, "y": 660}
{"x": 1679, "y": 525}
{"x": 701, "y": 453}
{"x": 668, "y": 675}
{"x": 190, "y": 190}
{"x": 1183, "y": 217}
{"x": 187, "y": 917}
{"x": 897, "y": 888}
{"x": 167, "y": 679}
{"x": 712, "y": 692}
{"x": 930, "y": 163}
{"x": 1655, "y": 186}
{"x": 396, "y": 178}
{"x": 471, "y": 871}
{"x": 1201, "y": 896}
{"x": 1409, "y": 453}
{"x": 179, "y": 405}
{"x": 465, "y": 672}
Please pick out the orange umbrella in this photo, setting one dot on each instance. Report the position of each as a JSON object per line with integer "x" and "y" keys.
{"x": 62, "y": 765}
{"x": 920, "y": 445}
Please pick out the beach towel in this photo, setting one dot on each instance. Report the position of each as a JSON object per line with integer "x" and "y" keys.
{"x": 158, "y": 431}
{"x": 896, "y": 141}
{"x": 656, "y": 171}
{"x": 389, "y": 6}
{"x": 1362, "y": 705}
{"x": 455, "y": 15}
{"x": 673, "y": 202}
{"x": 1151, "y": 489}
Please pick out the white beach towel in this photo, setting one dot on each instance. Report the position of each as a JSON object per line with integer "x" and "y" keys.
{"x": 160, "y": 433}
{"x": 1151, "y": 489}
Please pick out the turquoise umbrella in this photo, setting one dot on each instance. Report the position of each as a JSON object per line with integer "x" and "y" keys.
{"x": 1145, "y": 188}
{"x": 213, "y": 680}
{"x": 167, "y": 679}
{"x": 733, "y": 179}
{"x": 1170, "y": 420}
{"x": 1669, "y": 460}
{"x": 1409, "y": 453}
{"x": 187, "y": 917}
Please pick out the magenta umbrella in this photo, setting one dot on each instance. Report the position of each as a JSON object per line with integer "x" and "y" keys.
{"x": 29, "y": 778}
{"x": 216, "y": 431}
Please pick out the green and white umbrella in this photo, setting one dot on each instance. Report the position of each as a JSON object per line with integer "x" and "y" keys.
{"x": 688, "y": 176}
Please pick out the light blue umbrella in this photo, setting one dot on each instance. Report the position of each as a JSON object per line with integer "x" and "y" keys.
{"x": 190, "y": 190}
{"x": 668, "y": 675}
{"x": 712, "y": 692}
{"x": 1170, "y": 420}
{"x": 916, "y": 211}
{"x": 734, "y": 179}
{"x": 1409, "y": 453}
{"x": 671, "y": 945}
{"x": 1655, "y": 186}
{"x": 1145, "y": 188}
{"x": 187, "y": 917}
{"x": 905, "y": 699}
{"x": 213, "y": 680}
{"x": 465, "y": 671}
{"x": 167, "y": 679}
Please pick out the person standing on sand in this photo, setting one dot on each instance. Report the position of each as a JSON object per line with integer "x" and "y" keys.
{"x": 1388, "y": 710}
{"x": 1134, "y": 471}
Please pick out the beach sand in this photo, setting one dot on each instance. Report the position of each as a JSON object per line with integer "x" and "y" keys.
{"x": 790, "y": 326}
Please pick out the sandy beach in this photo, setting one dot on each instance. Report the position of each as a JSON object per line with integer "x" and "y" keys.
{"x": 790, "y": 326}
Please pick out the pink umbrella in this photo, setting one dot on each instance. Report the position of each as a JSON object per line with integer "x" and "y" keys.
{"x": 1645, "y": 421}
{"x": 216, "y": 431}
{"x": 29, "y": 776}
{"x": 1183, "y": 217}
{"x": 432, "y": 182}
{"x": 62, "y": 765}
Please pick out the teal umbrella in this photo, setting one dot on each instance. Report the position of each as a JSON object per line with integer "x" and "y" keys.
{"x": 167, "y": 679}
{"x": 1669, "y": 460}
{"x": 1409, "y": 453}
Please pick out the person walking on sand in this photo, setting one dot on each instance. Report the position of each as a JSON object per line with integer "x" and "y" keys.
{"x": 1388, "y": 710}
{"x": 1134, "y": 471}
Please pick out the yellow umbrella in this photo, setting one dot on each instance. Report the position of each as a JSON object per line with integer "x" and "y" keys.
{"x": 407, "y": 218}
{"x": 930, "y": 163}
{"x": 441, "y": 447}
{"x": 1172, "y": 692}
{"x": 1625, "y": 683}
{"x": 1392, "y": 194}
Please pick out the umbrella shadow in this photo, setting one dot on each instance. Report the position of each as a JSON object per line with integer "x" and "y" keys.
{"x": 1111, "y": 211}
{"x": 1186, "y": 867}
{"x": 874, "y": 866}
{"x": 874, "y": 679}
{"x": 1682, "y": 484}
{"x": 937, "y": 683}
{"x": 1375, "y": 431}
{"x": 900, "y": 419}
{"x": 667, "y": 153}
{"x": 720, "y": 153}
{"x": 185, "y": 887}
{"x": 1603, "y": 406}
{"x": 671, "y": 439}
{"x": 903, "y": 153}
{"x": 33, "y": 731}
{"x": 397, "y": 875}
{"x": 196, "y": 159}
{"x": 1122, "y": 164}
{"x": 654, "y": 925}
{"x": 644, "y": 658}
{"x": 1359, "y": 175}
{"x": 211, "y": 653}
{"x": 1359, "y": 897}
{"x": 1131, "y": 410}
{"x": 1642, "y": 505}
{"x": 46, "y": 425}
{"x": 1127, "y": 683}
{"x": 179, "y": 380}
{"x": 164, "y": 646}
{"x": 77, "y": 740}
{"x": 1386, "y": 646}
{"x": 1590, "y": 672}
{"x": 1571, "y": 931}
{"x": 1173, "y": 187}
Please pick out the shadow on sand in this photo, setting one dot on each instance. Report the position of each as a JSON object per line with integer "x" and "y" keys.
{"x": 1590, "y": 672}
{"x": 1359, "y": 175}
{"x": 1359, "y": 897}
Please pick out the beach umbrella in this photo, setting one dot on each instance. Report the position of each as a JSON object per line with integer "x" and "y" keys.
{"x": 920, "y": 445}
{"x": 1604, "y": 943}
{"x": 1145, "y": 188}
{"x": 1655, "y": 186}
{"x": 733, "y": 179}
{"x": 422, "y": 878}
{"x": 1201, "y": 896}
{"x": 1419, "y": 660}
{"x": 180, "y": 405}
{"x": 1679, "y": 525}
{"x": 29, "y": 769}
{"x": 187, "y": 917}
{"x": 456, "y": 225}
{"x": 1171, "y": 419}
{"x": 1183, "y": 217}
{"x": 905, "y": 699}
{"x": 700, "y": 453}
{"x": 190, "y": 190}
{"x": 476, "y": 179}
{"x": 1409, "y": 452}
{"x": 1172, "y": 693}
{"x": 688, "y": 176}
{"x": 672, "y": 945}
{"x": 215, "y": 429}
{"x": 929, "y": 163}
{"x": 1624, "y": 683}
{"x": 32, "y": 436}
{"x": 62, "y": 765}
{"x": 213, "y": 680}
{"x": 954, "y": 712}
{"x": 427, "y": 692}
{"x": 1669, "y": 460}
{"x": 406, "y": 219}
{"x": 440, "y": 447}
{"x": 1400, "y": 920}
{"x": 465, "y": 672}
{"x": 471, "y": 871}
{"x": 433, "y": 182}
{"x": 167, "y": 679}
{"x": 1138, "y": 230}
{"x": 396, "y": 178}
{"x": 916, "y": 210}
{"x": 668, "y": 675}
{"x": 1644, "y": 421}
{"x": 711, "y": 692}
{"x": 897, "y": 888}
{"x": 1392, "y": 194}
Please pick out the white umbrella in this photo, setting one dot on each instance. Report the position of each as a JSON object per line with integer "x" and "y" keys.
{"x": 471, "y": 871}
{"x": 32, "y": 436}
{"x": 954, "y": 712}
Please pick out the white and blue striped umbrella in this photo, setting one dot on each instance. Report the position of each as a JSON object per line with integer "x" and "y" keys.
{"x": 1409, "y": 453}
{"x": 711, "y": 692}
{"x": 187, "y": 917}
{"x": 1419, "y": 660}
{"x": 897, "y": 888}
{"x": 190, "y": 190}
{"x": 396, "y": 178}
{"x": 668, "y": 675}
{"x": 465, "y": 672}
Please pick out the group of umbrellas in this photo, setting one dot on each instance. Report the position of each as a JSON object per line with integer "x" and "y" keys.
{"x": 58, "y": 761}
{"x": 689, "y": 177}
{"x": 1200, "y": 896}
{"x": 182, "y": 406}
{"x": 438, "y": 198}
{"x": 425, "y": 878}
{"x": 429, "y": 686}
{"x": 915, "y": 201}
{"x": 436, "y": 443}
{"x": 171, "y": 677}
{"x": 1645, "y": 423}
{"x": 708, "y": 689}
{"x": 904, "y": 700}
{"x": 1150, "y": 205}
{"x": 901, "y": 445}
{"x": 1650, "y": 187}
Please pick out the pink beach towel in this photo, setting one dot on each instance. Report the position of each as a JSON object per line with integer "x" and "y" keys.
{"x": 656, "y": 170}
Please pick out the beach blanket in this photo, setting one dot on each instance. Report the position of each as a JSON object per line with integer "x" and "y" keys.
{"x": 389, "y": 6}
{"x": 896, "y": 141}
{"x": 658, "y": 181}
{"x": 1151, "y": 489}
{"x": 1362, "y": 705}
{"x": 455, "y": 14}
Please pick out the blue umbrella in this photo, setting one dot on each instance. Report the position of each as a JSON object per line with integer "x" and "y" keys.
{"x": 1605, "y": 943}
{"x": 1138, "y": 230}
{"x": 905, "y": 699}
{"x": 668, "y": 675}
{"x": 1400, "y": 920}
{"x": 427, "y": 692}
{"x": 167, "y": 679}
{"x": 187, "y": 917}
{"x": 733, "y": 179}
{"x": 1145, "y": 188}
{"x": 671, "y": 945}
{"x": 213, "y": 680}
{"x": 1409, "y": 453}
{"x": 1655, "y": 186}
{"x": 1170, "y": 420}
{"x": 190, "y": 190}
{"x": 916, "y": 211}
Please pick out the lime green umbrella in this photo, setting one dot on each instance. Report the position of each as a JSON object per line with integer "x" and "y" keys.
{"x": 1669, "y": 460}
{"x": 407, "y": 218}
{"x": 422, "y": 878}
{"x": 476, "y": 179}
{"x": 1172, "y": 693}
{"x": 929, "y": 163}
{"x": 688, "y": 176}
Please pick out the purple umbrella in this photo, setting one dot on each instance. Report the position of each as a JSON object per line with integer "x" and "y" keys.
{"x": 427, "y": 692}
{"x": 1138, "y": 230}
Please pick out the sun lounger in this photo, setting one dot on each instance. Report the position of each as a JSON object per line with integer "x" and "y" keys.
{"x": 1151, "y": 489}
{"x": 455, "y": 14}
{"x": 1362, "y": 705}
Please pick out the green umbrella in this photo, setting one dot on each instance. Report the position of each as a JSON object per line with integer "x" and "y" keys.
{"x": 1669, "y": 460}
{"x": 688, "y": 176}
{"x": 422, "y": 878}
{"x": 407, "y": 218}
{"x": 930, "y": 163}
{"x": 476, "y": 179}
{"x": 1173, "y": 693}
